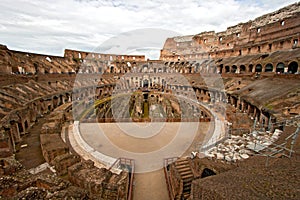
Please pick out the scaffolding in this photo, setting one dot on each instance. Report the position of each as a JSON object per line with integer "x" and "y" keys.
{"x": 285, "y": 149}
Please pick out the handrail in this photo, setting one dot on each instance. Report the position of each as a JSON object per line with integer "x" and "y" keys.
{"x": 129, "y": 162}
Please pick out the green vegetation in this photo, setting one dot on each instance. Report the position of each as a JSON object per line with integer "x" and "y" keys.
{"x": 146, "y": 110}
{"x": 269, "y": 106}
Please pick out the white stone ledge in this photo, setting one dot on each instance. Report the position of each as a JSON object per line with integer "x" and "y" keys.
{"x": 219, "y": 132}
{"x": 94, "y": 155}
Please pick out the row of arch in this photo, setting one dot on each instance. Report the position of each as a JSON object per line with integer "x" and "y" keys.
{"x": 24, "y": 118}
{"x": 291, "y": 68}
{"x": 210, "y": 67}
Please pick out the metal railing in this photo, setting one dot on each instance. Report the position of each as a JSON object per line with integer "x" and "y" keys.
{"x": 283, "y": 149}
{"x": 127, "y": 165}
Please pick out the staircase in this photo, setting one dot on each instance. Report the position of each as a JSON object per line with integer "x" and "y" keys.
{"x": 185, "y": 171}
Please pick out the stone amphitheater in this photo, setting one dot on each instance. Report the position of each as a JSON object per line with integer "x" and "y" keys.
{"x": 223, "y": 106}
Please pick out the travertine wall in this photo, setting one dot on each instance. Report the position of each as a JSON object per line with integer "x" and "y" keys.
{"x": 272, "y": 32}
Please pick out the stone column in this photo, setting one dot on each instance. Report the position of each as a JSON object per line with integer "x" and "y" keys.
{"x": 238, "y": 69}
{"x": 14, "y": 130}
{"x": 254, "y": 112}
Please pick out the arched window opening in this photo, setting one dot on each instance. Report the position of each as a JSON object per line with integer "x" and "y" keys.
{"x": 227, "y": 69}
{"x": 233, "y": 69}
{"x": 269, "y": 67}
{"x": 280, "y": 68}
{"x": 258, "y": 68}
{"x": 242, "y": 68}
{"x": 293, "y": 67}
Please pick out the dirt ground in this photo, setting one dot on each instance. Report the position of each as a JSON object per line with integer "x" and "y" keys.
{"x": 31, "y": 156}
{"x": 150, "y": 186}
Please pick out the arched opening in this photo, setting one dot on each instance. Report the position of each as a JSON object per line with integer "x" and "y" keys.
{"x": 250, "y": 68}
{"x": 112, "y": 69}
{"x": 242, "y": 68}
{"x": 269, "y": 67}
{"x": 221, "y": 69}
{"x": 26, "y": 124}
{"x": 36, "y": 68}
{"x": 207, "y": 172}
{"x": 55, "y": 101}
{"x": 49, "y": 108}
{"x": 145, "y": 83}
{"x": 227, "y": 69}
{"x": 280, "y": 68}
{"x": 20, "y": 127}
{"x": 15, "y": 70}
{"x": 233, "y": 69}
{"x": 293, "y": 67}
{"x": 258, "y": 68}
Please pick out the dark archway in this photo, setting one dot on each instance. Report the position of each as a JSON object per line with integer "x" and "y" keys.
{"x": 145, "y": 83}
{"x": 293, "y": 67}
{"x": 36, "y": 68}
{"x": 269, "y": 67}
{"x": 55, "y": 101}
{"x": 20, "y": 127}
{"x": 258, "y": 68}
{"x": 242, "y": 68}
{"x": 26, "y": 124}
{"x": 227, "y": 69}
{"x": 207, "y": 172}
{"x": 280, "y": 68}
{"x": 233, "y": 69}
{"x": 221, "y": 69}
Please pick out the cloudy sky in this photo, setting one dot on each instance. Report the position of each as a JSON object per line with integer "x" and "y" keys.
{"x": 50, "y": 26}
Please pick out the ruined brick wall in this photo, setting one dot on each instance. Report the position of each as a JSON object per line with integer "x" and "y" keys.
{"x": 175, "y": 180}
{"x": 272, "y": 32}
{"x": 63, "y": 162}
{"x": 52, "y": 146}
{"x": 30, "y": 63}
{"x": 100, "y": 183}
{"x": 17, "y": 183}
{"x": 23, "y": 103}
{"x": 80, "y": 55}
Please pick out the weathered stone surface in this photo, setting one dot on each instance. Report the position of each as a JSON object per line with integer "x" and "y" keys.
{"x": 259, "y": 65}
{"x": 52, "y": 146}
{"x": 63, "y": 162}
{"x": 100, "y": 183}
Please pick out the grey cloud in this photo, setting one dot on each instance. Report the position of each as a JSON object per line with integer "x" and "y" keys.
{"x": 49, "y": 26}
